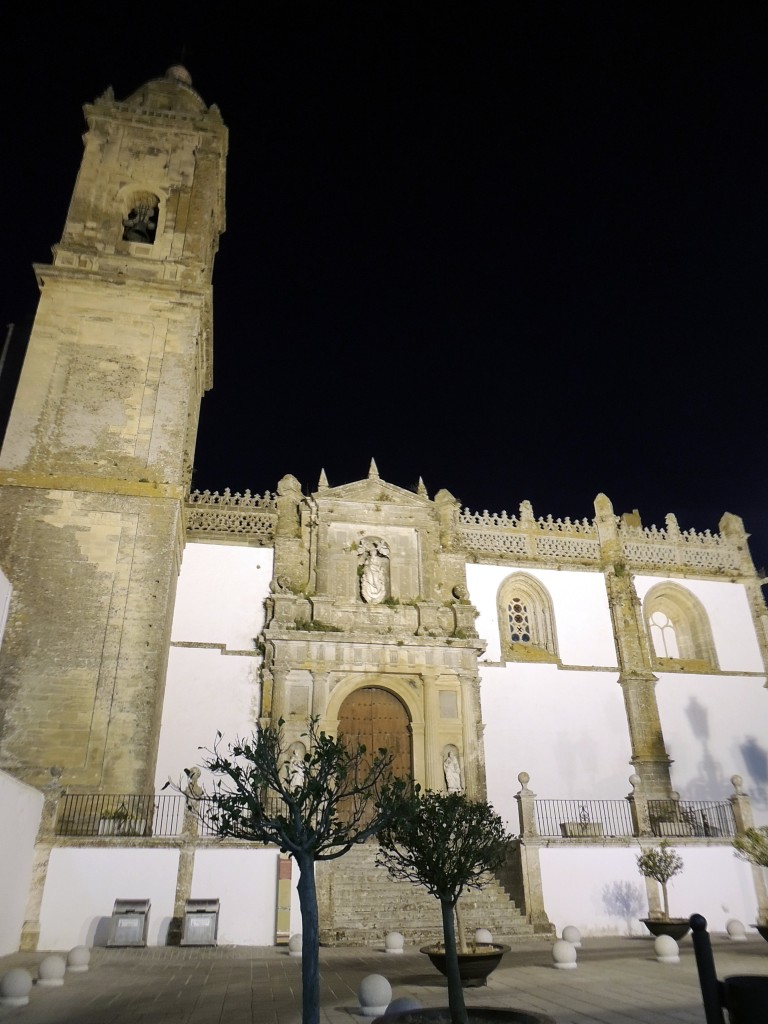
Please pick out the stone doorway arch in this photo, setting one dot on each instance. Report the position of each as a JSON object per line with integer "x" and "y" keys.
{"x": 378, "y": 718}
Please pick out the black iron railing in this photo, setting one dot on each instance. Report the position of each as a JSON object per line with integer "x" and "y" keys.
{"x": 103, "y": 814}
{"x": 583, "y": 819}
{"x": 704, "y": 819}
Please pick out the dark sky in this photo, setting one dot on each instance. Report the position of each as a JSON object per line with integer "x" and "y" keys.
{"x": 517, "y": 249}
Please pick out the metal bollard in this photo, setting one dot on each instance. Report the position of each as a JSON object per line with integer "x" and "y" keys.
{"x": 711, "y": 988}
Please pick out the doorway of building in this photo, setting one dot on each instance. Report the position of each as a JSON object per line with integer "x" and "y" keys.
{"x": 376, "y": 717}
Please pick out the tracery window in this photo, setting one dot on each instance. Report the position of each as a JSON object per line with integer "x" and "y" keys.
{"x": 526, "y": 620}
{"x": 678, "y": 628}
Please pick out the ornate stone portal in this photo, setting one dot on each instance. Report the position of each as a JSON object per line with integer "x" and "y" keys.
{"x": 369, "y": 628}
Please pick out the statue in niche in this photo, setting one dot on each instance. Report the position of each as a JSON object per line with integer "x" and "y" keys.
{"x": 295, "y": 768}
{"x": 452, "y": 771}
{"x": 373, "y": 578}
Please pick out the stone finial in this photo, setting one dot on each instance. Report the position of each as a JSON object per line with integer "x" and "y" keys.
{"x": 526, "y": 513}
{"x": 289, "y": 485}
{"x": 373, "y": 472}
{"x": 179, "y": 73}
{"x": 603, "y": 506}
{"x": 524, "y": 778}
{"x": 322, "y": 483}
{"x": 635, "y": 782}
{"x": 737, "y": 782}
{"x": 421, "y": 489}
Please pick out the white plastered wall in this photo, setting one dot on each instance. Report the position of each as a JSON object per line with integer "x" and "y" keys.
{"x": 212, "y": 682}
{"x": 566, "y": 727}
{"x": 83, "y": 884}
{"x": 5, "y": 602}
{"x": 20, "y": 809}
{"x": 577, "y": 887}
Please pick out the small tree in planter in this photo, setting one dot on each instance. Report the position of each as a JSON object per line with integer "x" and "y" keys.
{"x": 752, "y": 846}
{"x": 318, "y": 808}
{"x": 445, "y": 843}
{"x": 661, "y": 864}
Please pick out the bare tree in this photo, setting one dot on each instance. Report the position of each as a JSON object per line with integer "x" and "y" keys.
{"x": 318, "y": 807}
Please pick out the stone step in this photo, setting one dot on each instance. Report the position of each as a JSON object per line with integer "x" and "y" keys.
{"x": 360, "y": 903}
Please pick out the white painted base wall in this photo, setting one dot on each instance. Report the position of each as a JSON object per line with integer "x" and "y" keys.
{"x": 20, "y": 809}
{"x": 83, "y": 884}
{"x": 713, "y": 883}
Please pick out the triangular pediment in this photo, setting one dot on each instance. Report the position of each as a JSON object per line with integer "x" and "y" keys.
{"x": 375, "y": 490}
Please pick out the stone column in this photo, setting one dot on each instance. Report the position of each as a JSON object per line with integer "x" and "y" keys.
{"x": 638, "y": 804}
{"x": 472, "y": 738}
{"x": 433, "y": 768}
{"x": 649, "y": 756}
{"x": 526, "y": 806}
{"x": 30, "y": 931}
{"x": 742, "y": 815}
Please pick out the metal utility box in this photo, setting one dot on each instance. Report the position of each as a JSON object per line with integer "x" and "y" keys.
{"x": 129, "y": 922}
{"x": 201, "y": 923}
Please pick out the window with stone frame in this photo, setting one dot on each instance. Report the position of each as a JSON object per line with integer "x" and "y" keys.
{"x": 526, "y": 620}
{"x": 141, "y": 216}
{"x": 678, "y": 629}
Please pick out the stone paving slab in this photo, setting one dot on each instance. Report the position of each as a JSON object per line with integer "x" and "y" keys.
{"x": 616, "y": 981}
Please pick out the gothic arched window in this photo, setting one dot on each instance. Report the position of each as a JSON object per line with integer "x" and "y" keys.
{"x": 678, "y": 628}
{"x": 526, "y": 620}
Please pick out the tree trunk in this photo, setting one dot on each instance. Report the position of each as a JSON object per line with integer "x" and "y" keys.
{"x": 461, "y": 935}
{"x": 665, "y": 898}
{"x": 455, "y": 991}
{"x": 310, "y": 941}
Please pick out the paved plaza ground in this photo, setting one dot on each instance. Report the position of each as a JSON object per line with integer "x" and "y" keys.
{"x": 616, "y": 981}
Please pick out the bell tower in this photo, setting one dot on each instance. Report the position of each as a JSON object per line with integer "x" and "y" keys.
{"x": 98, "y": 452}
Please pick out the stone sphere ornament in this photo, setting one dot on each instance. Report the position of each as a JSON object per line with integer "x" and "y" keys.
{"x": 736, "y": 930}
{"x": 15, "y": 986}
{"x": 50, "y": 973}
{"x": 294, "y": 944}
{"x": 564, "y": 955}
{"x": 78, "y": 959}
{"x": 666, "y": 949}
{"x": 374, "y": 995}
{"x": 483, "y": 937}
{"x": 394, "y": 942}
{"x": 572, "y": 934}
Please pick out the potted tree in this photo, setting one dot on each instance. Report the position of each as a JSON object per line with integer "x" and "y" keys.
{"x": 661, "y": 864}
{"x": 752, "y": 846}
{"x": 447, "y": 843}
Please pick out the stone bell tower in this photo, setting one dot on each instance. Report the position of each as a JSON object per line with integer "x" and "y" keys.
{"x": 98, "y": 452}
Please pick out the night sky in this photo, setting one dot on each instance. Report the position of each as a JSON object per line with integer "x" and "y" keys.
{"x": 515, "y": 249}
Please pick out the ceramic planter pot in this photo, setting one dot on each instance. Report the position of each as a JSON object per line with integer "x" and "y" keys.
{"x": 676, "y": 927}
{"x": 474, "y": 967}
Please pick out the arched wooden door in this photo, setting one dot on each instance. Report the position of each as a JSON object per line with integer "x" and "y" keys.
{"x": 377, "y": 718}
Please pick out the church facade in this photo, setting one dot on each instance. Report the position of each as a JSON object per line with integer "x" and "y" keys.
{"x": 601, "y": 682}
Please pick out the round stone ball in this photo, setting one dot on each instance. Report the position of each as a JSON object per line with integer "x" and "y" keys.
{"x": 15, "y": 986}
{"x": 294, "y": 944}
{"x": 78, "y": 959}
{"x": 394, "y": 942}
{"x": 666, "y": 949}
{"x": 572, "y": 934}
{"x": 404, "y": 1004}
{"x": 564, "y": 955}
{"x": 374, "y": 995}
{"x": 736, "y": 930}
{"x": 50, "y": 973}
{"x": 483, "y": 937}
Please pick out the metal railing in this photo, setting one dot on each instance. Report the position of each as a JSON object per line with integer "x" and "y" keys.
{"x": 105, "y": 814}
{"x": 163, "y": 815}
{"x": 701, "y": 818}
{"x": 574, "y": 819}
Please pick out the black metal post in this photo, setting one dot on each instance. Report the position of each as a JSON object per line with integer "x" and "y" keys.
{"x": 705, "y": 964}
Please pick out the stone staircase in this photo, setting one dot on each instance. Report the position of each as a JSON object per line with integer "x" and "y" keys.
{"x": 359, "y": 903}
